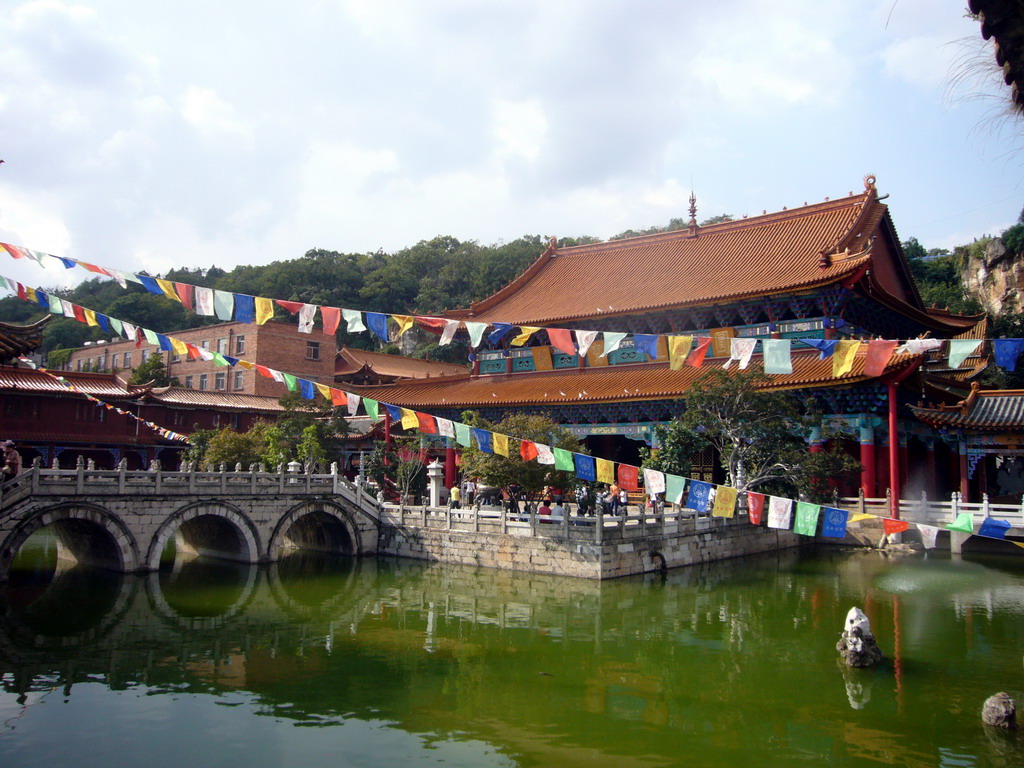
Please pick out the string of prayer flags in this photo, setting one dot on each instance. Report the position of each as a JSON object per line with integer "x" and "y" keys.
{"x": 780, "y": 512}
{"x": 678, "y": 349}
{"x": 960, "y": 350}
{"x": 777, "y": 356}
{"x": 755, "y": 507}
{"x": 699, "y": 496}
{"x": 842, "y": 359}
{"x": 628, "y": 477}
{"x": 834, "y": 523}
{"x": 586, "y": 467}
{"x": 806, "y": 518}
{"x": 725, "y": 502}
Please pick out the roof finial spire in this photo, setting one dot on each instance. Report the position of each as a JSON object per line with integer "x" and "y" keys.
{"x": 693, "y": 209}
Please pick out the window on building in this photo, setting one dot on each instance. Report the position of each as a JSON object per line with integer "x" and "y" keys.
{"x": 203, "y": 381}
{"x": 175, "y": 357}
{"x": 240, "y": 344}
{"x": 222, "y": 345}
{"x": 86, "y": 411}
{"x": 239, "y": 382}
{"x": 188, "y": 382}
{"x": 220, "y": 381}
{"x": 205, "y": 344}
{"x": 78, "y": 364}
{"x": 145, "y": 354}
{"x": 127, "y": 359}
{"x": 312, "y": 350}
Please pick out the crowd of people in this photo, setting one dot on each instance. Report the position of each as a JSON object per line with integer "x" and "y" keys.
{"x": 553, "y": 502}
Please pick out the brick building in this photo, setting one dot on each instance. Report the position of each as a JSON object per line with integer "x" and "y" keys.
{"x": 276, "y": 345}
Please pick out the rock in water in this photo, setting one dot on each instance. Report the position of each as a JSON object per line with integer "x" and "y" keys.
{"x": 857, "y": 646}
{"x": 1000, "y": 710}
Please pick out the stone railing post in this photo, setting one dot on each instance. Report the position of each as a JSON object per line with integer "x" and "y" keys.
{"x": 154, "y": 467}
{"x": 79, "y": 474}
{"x": 599, "y": 525}
{"x": 504, "y": 517}
{"x": 253, "y": 477}
{"x": 122, "y": 468}
{"x": 223, "y": 478}
{"x": 334, "y": 478}
{"x": 984, "y": 504}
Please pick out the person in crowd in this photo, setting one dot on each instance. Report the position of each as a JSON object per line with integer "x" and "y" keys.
{"x": 469, "y": 490}
{"x": 624, "y": 501}
{"x": 583, "y": 500}
{"x": 558, "y": 510}
{"x": 11, "y": 460}
{"x": 453, "y": 497}
{"x": 612, "y": 499}
{"x": 544, "y": 511}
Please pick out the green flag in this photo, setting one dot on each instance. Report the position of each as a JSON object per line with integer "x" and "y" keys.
{"x": 964, "y": 523}
{"x": 462, "y": 434}
{"x": 674, "y": 487}
{"x": 291, "y": 382}
{"x": 371, "y": 408}
{"x": 806, "y": 518}
{"x": 564, "y": 460}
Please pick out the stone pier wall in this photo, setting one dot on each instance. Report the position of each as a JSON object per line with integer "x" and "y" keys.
{"x": 622, "y": 551}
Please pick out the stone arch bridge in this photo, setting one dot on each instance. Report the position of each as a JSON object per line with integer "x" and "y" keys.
{"x": 123, "y": 520}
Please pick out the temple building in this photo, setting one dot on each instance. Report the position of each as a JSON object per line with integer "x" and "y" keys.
{"x": 830, "y": 270}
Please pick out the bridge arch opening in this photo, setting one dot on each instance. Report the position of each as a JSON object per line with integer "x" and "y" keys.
{"x": 316, "y": 527}
{"x": 204, "y": 530}
{"x": 59, "y": 538}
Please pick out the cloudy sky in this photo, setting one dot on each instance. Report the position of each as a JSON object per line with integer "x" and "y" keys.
{"x": 151, "y": 135}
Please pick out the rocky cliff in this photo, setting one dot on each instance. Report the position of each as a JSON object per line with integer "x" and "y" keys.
{"x": 995, "y": 277}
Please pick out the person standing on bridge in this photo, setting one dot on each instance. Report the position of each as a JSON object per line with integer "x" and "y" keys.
{"x": 11, "y": 461}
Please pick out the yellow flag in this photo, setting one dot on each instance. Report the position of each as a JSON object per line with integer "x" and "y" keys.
{"x": 90, "y": 317}
{"x": 678, "y": 350}
{"x": 409, "y": 420}
{"x": 264, "y": 310}
{"x": 725, "y": 502}
{"x": 525, "y": 332}
{"x": 605, "y": 471}
{"x": 179, "y": 346}
{"x": 31, "y": 293}
{"x": 499, "y": 443}
{"x": 842, "y": 358}
{"x": 857, "y": 517}
{"x": 404, "y": 324}
{"x": 168, "y": 288}
{"x": 324, "y": 390}
{"x": 246, "y": 364}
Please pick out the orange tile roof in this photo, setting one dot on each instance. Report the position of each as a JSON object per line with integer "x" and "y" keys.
{"x": 103, "y": 385}
{"x": 350, "y": 361}
{"x": 729, "y": 261}
{"x": 994, "y": 410}
{"x": 607, "y": 384}
{"x": 220, "y": 401}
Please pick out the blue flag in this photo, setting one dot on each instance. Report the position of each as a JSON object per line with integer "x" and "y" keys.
{"x": 150, "y": 284}
{"x": 394, "y": 412}
{"x": 104, "y": 322}
{"x": 165, "y": 343}
{"x": 245, "y": 308}
{"x": 834, "y": 525}
{"x": 994, "y": 529}
{"x": 1007, "y": 351}
{"x": 646, "y": 343}
{"x": 586, "y": 467}
{"x": 483, "y": 440}
{"x": 306, "y": 389}
{"x": 825, "y": 346}
{"x": 378, "y": 324}
{"x": 42, "y": 300}
{"x": 699, "y": 496}
{"x": 500, "y": 329}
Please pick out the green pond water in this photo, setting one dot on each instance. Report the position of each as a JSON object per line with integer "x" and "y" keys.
{"x": 317, "y": 661}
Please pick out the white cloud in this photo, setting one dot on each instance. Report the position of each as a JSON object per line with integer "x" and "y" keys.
{"x": 214, "y": 117}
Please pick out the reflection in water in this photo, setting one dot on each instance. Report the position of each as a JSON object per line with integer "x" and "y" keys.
{"x": 733, "y": 662}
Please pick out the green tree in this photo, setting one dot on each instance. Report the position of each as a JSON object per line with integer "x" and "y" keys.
{"x": 677, "y": 445}
{"x": 401, "y": 471}
{"x": 761, "y": 434}
{"x": 229, "y": 447}
{"x": 505, "y": 472}
{"x": 153, "y": 370}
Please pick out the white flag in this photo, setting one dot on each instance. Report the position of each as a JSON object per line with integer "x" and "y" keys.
{"x": 445, "y": 427}
{"x": 928, "y": 535}
{"x": 306, "y": 316}
{"x": 780, "y": 512}
{"x": 450, "y": 327}
{"x": 354, "y": 318}
{"x": 654, "y": 481}
{"x": 204, "y": 301}
{"x": 353, "y": 403}
{"x": 584, "y": 339}
{"x": 544, "y": 454}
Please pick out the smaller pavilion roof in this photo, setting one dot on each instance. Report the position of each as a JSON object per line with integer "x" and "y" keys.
{"x": 993, "y": 411}
{"x": 360, "y": 362}
{"x": 101, "y": 385}
{"x": 218, "y": 401}
{"x": 21, "y": 339}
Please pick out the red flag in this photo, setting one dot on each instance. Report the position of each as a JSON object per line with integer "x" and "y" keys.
{"x": 193, "y": 351}
{"x": 696, "y": 358}
{"x": 338, "y": 397}
{"x": 291, "y": 306}
{"x": 264, "y": 371}
{"x": 14, "y": 250}
{"x": 879, "y": 352}
{"x": 331, "y": 317}
{"x": 755, "y": 506}
{"x": 427, "y": 424}
{"x": 22, "y": 293}
{"x": 561, "y": 339}
{"x": 93, "y": 268}
{"x": 185, "y": 291}
{"x": 894, "y": 526}
{"x": 79, "y": 313}
{"x": 628, "y": 478}
{"x": 528, "y": 450}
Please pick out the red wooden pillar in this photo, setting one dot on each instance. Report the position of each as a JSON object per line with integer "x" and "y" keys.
{"x": 965, "y": 482}
{"x": 867, "y": 461}
{"x": 450, "y": 475}
{"x": 894, "y": 453}
{"x": 387, "y": 430}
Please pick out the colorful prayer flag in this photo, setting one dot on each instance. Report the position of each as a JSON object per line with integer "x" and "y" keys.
{"x": 778, "y": 357}
{"x": 755, "y": 507}
{"x": 878, "y": 355}
{"x": 564, "y": 460}
{"x": 500, "y": 443}
{"x": 834, "y": 523}
{"x": 806, "y": 518}
{"x": 780, "y": 512}
{"x": 699, "y": 496}
{"x": 725, "y": 502}
{"x": 678, "y": 349}
{"x": 845, "y": 354}
{"x": 586, "y": 467}
{"x": 605, "y": 471}
{"x": 628, "y": 477}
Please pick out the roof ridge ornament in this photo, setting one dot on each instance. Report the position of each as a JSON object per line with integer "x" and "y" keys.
{"x": 693, "y": 214}
{"x": 869, "y": 183}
